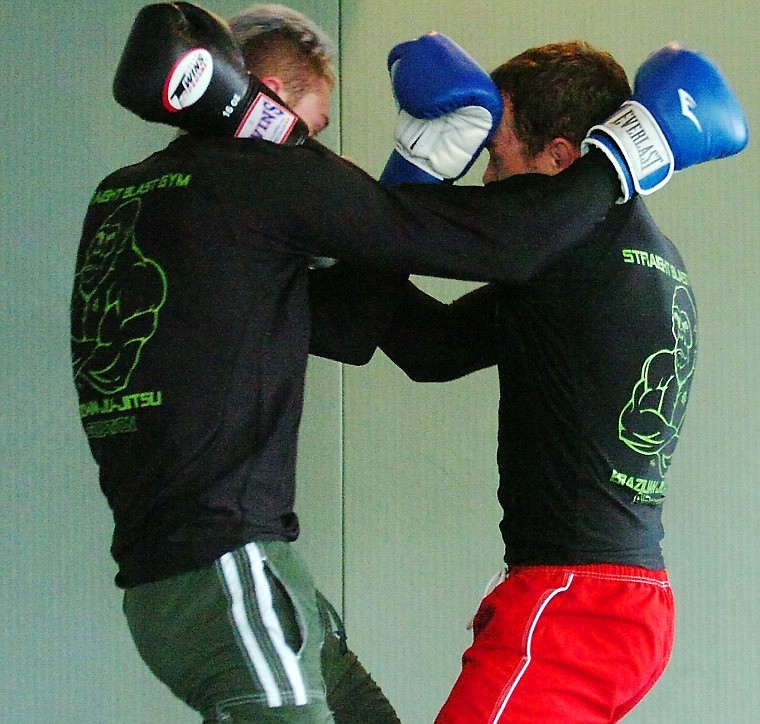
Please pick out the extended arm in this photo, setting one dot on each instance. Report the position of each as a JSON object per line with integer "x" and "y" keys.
{"x": 435, "y": 342}
{"x": 350, "y": 310}
{"x": 507, "y": 231}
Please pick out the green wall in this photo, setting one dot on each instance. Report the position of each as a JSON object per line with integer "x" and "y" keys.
{"x": 397, "y": 480}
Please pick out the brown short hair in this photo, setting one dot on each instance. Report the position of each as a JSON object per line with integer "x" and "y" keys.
{"x": 560, "y": 90}
{"x": 277, "y": 40}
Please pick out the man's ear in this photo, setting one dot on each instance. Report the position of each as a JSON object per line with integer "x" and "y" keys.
{"x": 562, "y": 153}
{"x": 274, "y": 83}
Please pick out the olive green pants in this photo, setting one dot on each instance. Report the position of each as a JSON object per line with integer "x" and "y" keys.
{"x": 249, "y": 639}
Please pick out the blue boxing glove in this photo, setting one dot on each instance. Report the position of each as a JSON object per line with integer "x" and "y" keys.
{"x": 682, "y": 112}
{"x": 448, "y": 108}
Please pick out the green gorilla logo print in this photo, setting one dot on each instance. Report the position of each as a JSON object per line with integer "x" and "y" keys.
{"x": 651, "y": 421}
{"x": 118, "y": 293}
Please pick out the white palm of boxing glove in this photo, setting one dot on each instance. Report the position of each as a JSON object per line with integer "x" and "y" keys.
{"x": 448, "y": 107}
{"x": 443, "y": 147}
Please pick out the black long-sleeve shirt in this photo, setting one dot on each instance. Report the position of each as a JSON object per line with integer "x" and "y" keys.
{"x": 190, "y": 319}
{"x": 595, "y": 354}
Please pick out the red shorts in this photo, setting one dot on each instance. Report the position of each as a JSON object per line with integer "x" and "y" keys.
{"x": 564, "y": 644}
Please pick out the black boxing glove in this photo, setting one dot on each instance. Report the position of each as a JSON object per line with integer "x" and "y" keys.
{"x": 182, "y": 66}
